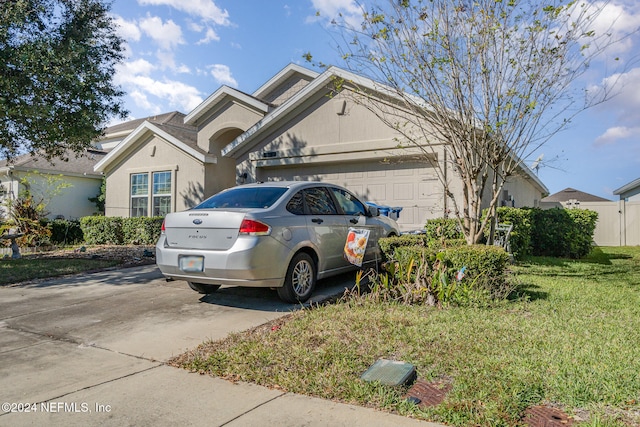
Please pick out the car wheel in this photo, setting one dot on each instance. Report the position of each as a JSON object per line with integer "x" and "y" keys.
{"x": 300, "y": 279}
{"x": 203, "y": 288}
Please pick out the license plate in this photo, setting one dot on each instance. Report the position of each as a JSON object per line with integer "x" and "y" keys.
{"x": 192, "y": 264}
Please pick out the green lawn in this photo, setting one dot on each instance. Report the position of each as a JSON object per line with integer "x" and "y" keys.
{"x": 570, "y": 338}
{"x": 20, "y": 270}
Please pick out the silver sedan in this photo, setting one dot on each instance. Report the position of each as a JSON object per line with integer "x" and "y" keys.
{"x": 282, "y": 235}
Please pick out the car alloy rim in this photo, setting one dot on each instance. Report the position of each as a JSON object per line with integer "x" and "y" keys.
{"x": 302, "y": 277}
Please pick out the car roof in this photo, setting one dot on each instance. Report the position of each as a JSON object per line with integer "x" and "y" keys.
{"x": 288, "y": 184}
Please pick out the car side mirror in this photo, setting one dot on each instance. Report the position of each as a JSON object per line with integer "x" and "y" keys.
{"x": 373, "y": 211}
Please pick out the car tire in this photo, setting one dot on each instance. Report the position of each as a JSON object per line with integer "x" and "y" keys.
{"x": 203, "y": 288}
{"x": 300, "y": 280}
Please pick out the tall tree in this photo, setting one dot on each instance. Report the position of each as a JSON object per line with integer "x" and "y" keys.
{"x": 57, "y": 60}
{"x": 483, "y": 84}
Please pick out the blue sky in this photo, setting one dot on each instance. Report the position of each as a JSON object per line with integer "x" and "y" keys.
{"x": 181, "y": 51}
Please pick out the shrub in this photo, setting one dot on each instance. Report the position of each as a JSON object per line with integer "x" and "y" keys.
{"x": 522, "y": 220}
{"x": 65, "y": 232}
{"x": 102, "y": 230}
{"x": 105, "y": 230}
{"x": 581, "y": 234}
{"x": 566, "y": 233}
{"x": 141, "y": 230}
{"x": 443, "y": 229}
{"x": 420, "y": 273}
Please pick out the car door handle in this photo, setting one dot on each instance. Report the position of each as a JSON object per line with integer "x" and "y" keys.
{"x": 317, "y": 220}
{"x": 353, "y": 220}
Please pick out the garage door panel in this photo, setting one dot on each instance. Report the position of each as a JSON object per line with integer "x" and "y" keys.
{"x": 377, "y": 191}
{"x": 377, "y": 174}
{"x": 404, "y": 191}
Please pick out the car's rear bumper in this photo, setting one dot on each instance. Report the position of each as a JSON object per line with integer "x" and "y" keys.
{"x": 252, "y": 261}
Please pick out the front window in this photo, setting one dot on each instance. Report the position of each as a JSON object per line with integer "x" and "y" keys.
{"x": 139, "y": 194}
{"x": 161, "y": 193}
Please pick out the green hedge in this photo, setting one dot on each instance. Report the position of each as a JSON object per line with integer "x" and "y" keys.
{"x": 485, "y": 266}
{"x": 105, "y": 230}
{"x": 565, "y": 233}
{"x": 64, "y": 232}
{"x": 141, "y": 230}
{"x": 523, "y": 221}
{"x": 388, "y": 245}
{"x": 443, "y": 229}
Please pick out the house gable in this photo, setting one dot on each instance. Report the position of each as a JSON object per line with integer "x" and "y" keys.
{"x": 141, "y": 134}
{"x": 219, "y": 99}
{"x": 285, "y": 84}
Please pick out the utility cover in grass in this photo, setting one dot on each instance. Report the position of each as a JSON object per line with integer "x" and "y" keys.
{"x": 390, "y": 372}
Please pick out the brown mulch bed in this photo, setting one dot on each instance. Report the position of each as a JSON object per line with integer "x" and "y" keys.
{"x": 127, "y": 255}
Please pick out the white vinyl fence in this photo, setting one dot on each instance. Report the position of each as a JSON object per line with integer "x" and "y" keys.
{"x": 618, "y": 222}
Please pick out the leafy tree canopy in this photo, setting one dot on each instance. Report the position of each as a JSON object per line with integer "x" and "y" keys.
{"x": 57, "y": 62}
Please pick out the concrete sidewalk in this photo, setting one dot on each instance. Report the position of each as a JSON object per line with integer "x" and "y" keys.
{"x": 91, "y": 350}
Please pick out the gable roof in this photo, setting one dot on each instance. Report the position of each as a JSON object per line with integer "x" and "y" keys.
{"x": 248, "y": 139}
{"x": 219, "y": 95}
{"x": 282, "y": 76}
{"x": 627, "y": 187}
{"x": 76, "y": 164}
{"x": 172, "y": 130}
{"x": 573, "y": 194}
{"x": 130, "y": 125}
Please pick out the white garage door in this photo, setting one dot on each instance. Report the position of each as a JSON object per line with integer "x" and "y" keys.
{"x": 410, "y": 185}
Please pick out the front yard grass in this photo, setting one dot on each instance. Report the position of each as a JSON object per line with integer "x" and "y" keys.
{"x": 25, "y": 269}
{"x": 570, "y": 339}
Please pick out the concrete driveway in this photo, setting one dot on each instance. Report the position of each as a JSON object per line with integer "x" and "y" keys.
{"x": 90, "y": 350}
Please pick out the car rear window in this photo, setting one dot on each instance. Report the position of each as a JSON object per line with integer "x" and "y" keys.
{"x": 254, "y": 197}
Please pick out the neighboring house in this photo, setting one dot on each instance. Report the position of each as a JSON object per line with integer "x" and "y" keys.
{"x": 77, "y": 174}
{"x": 629, "y": 192}
{"x": 569, "y": 198}
{"x": 295, "y": 126}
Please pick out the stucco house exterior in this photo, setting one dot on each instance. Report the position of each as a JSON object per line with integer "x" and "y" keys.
{"x": 76, "y": 173}
{"x": 295, "y": 126}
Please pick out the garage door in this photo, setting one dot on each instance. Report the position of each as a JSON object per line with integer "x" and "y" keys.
{"x": 410, "y": 185}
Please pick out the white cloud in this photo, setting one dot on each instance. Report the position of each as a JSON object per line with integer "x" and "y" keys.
{"x": 128, "y": 30}
{"x": 194, "y": 26}
{"x": 178, "y": 94}
{"x": 135, "y": 78}
{"x": 139, "y": 66}
{"x": 626, "y": 99}
{"x": 209, "y": 36}
{"x": 167, "y": 35}
{"x": 205, "y": 9}
{"x": 612, "y": 23}
{"x": 343, "y": 10}
{"x": 222, "y": 74}
{"x": 141, "y": 100}
{"x": 614, "y": 134}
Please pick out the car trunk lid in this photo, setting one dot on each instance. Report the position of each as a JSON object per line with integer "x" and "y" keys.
{"x": 203, "y": 229}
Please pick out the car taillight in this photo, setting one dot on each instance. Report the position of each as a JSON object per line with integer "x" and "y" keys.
{"x": 254, "y": 228}
{"x": 162, "y": 229}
